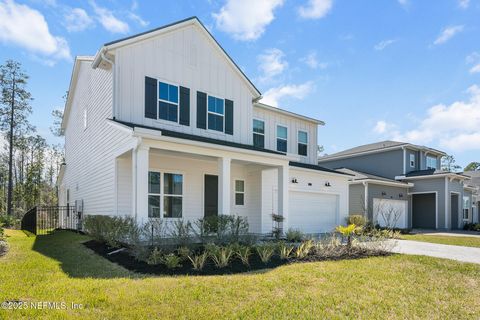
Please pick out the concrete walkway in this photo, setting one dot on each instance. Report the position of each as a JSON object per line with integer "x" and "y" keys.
{"x": 459, "y": 253}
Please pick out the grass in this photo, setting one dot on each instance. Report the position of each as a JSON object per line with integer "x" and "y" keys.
{"x": 57, "y": 268}
{"x": 451, "y": 240}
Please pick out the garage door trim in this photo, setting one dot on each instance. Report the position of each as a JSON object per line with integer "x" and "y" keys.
{"x": 436, "y": 204}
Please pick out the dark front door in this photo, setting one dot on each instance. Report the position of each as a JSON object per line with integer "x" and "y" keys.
{"x": 424, "y": 211}
{"x": 454, "y": 210}
{"x": 210, "y": 195}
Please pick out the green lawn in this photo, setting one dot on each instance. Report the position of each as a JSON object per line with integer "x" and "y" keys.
{"x": 58, "y": 268}
{"x": 452, "y": 240}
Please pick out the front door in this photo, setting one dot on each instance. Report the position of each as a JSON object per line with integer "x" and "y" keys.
{"x": 210, "y": 195}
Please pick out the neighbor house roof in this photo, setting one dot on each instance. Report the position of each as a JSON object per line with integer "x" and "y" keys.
{"x": 377, "y": 147}
{"x": 359, "y": 176}
{"x": 314, "y": 167}
{"x": 431, "y": 173}
{"x": 110, "y": 46}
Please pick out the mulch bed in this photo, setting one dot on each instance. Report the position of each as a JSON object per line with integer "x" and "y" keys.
{"x": 124, "y": 259}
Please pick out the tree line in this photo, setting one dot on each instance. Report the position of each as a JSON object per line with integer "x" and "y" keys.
{"x": 29, "y": 165}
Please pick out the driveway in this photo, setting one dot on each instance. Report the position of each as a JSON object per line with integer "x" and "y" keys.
{"x": 459, "y": 253}
{"x": 450, "y": 233}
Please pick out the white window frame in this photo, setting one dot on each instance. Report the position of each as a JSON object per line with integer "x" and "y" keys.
{"x": 169, "y": 102}
{"x": 240, "y": 192}
{"x": 466, "y": 206}
{"x": 276, "y": 136}
{"x": 163, "y": 195}
{"x": 217, "y": 114}
{"x": 298, "y": 142}
{"x": 432, "y": 158}
{"x": 412, "y": 160}
{"x": 261, "y": 134}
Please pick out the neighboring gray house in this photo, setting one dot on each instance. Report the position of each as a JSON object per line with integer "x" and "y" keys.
{"x": 475, "y": 183}
{"x": 406, "y": 179}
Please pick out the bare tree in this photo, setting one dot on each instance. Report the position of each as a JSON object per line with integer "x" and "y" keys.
{"x": 389, "y": 213}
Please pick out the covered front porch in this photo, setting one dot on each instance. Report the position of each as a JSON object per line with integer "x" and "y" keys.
{"x": 168, "y": 180}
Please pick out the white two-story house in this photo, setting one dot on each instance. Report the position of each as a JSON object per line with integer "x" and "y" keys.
{"x": 165, "y": 125}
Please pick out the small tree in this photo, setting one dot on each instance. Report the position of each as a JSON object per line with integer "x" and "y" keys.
{"x": 347, "y": 232}
{"x": 472, "y": 166}
{"x": 448, "y": 164}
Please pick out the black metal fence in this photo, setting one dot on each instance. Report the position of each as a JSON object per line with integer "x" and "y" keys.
{"x": 43, "y": 220}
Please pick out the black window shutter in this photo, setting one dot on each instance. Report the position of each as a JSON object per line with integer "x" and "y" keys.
{"x": 201, "y": 110}
{"x": 184, "y": 106}
{"x": 150, "y": 98}
{"x": 228, "y": 116}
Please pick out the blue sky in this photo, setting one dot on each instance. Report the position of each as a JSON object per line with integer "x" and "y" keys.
{"x": 372, "y": 70}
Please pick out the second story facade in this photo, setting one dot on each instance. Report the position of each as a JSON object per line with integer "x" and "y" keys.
{"x": 389, "y": 159}
{"x": 179, "y": 78}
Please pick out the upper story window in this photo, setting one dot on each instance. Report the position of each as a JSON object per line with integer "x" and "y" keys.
{"x": 216, "y": 114}
{"x": 282, "y": 134}
{"x": 412, "y": 160}
{"x": 302, "y": 143}
{"x": 167, "y": 102}
{"x": 431, "y": 163}
{"x": 258, "y": 133}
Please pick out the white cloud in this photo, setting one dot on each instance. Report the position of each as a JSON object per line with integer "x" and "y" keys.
{"x": 27, "y": 28}
{"x": 447, "y": 34}
{"x": 383, "y": 44}
{"x": 380, "y": 127}
{"x": 274, "y": 95}
{"x": 77, "y": 19}
{"x": 315, "y": 9}
{"x": 404, "y": 3}
{"x": 272, "y": 63}
{"x": 312, "y": 61}
{"x": 474, "y": 59}
{"x": 246, "y": 19}
{"x": 463, "y": 4}
{"x": 135, "y": 17}
{"x": 108, "y": 20}
{"x": 455, "y": 126}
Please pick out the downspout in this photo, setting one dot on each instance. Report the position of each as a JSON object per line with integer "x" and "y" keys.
{"x": 365, "y": 199}
{"x": 135, "y": 173}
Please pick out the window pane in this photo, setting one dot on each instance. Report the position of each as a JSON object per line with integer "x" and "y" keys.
{"x": 211, "y": 104}
{"x": 173, "y": 94}
{"x": 172, "y": 207}
{"x": 167, "y": 111}
{"x": 154, "y": 182}
{"x": 258, "y": 140}
{"x": 302, "y": 149}
{"x": 172, "y": 183}
{"x": 302, "y": 137}
{"x": 239, "y": 185}
{"x": 163, "y": 91}
{"x": 282, "y": 145}
{"x": 282, "y": 132}
{"x": 215, "y": 122}
{"x": 154, "y": 206}
{"x": 239, "y": 199}
{"x": 258, "y": 126}
{"x": 219, "y": 106}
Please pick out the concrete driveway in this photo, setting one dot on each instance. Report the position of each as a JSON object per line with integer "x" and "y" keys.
{"x": 459, "y": 253}
{"x": 450, "y": 233}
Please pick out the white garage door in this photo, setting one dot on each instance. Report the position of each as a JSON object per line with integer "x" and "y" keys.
{"x": 313, "y": 212}
{"x": 390, "y": 213}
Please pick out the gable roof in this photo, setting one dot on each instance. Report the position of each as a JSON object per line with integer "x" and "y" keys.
{"x": 360, "y": 176}
{"x": 377, "y": 147}
{"x": 167, "y": 28}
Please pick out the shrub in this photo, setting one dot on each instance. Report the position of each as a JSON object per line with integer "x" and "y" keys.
{"x": 238, "y": 227}
{"x": 198, "y": 261}
{"x": 472, "y": 226}
{"x": 347, "y": 232}
{"x": 3, "y": 247}
{"x": 2, "y": 234}
{"x": 285, "y": 251}
{"x": 220, "y": 255}
{"x": 225, "y": 228}
{"x": 265, "y": 252}
{"x": 183, "y": 252}
{"x": 277, "y": 228}
{"x": 154, "y": 232}
{"x": 114, "y": 231}
{"x": 171, "y": 261}
{"x": 357, "y": 219}
{"x": 304, "y": 249}
{"x": 243, "y": 253}
{"x": 181, "y": 232}
{"x": 155, "y": 257}
{"x": 9, "y": 221}
{"x": 294, "y": 235}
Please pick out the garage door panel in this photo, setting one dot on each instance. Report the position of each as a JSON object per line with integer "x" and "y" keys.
{"x": 313, "y": 212}
{"x": 424, "y": 210}
{"x": 390, "y": 213}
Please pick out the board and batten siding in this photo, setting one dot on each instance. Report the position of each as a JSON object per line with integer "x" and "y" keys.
{"x": 185, "y": 57}
{"x": 89, "y": 152}
{"x": 272, "y": 119}
{"x": 357, "y": 199}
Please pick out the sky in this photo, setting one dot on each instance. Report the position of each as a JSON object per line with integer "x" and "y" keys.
{"x": 406, "y": 70}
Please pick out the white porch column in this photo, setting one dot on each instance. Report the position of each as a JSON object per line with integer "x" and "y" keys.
{"x": 140, "y": 183}
{"x": 224, "y": 185}
{"x": 283, "y": 182}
